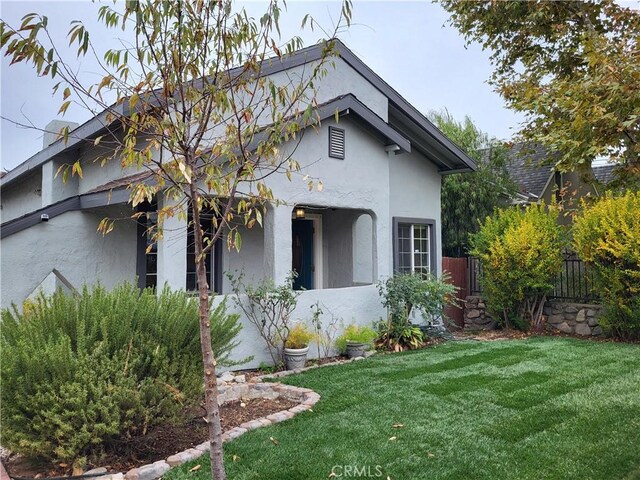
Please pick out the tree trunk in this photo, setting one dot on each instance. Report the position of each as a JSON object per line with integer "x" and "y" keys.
{"x": 208, "y": 359}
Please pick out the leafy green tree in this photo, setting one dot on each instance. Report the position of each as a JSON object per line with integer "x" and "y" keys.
{"x": 572, "y": 67}
{"x": 467, "y": 198}
{"x": 192, "y": 108}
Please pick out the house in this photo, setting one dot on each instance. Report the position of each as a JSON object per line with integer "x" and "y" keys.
{"x": 379, "y": 212}
{"x": 531, "y": 167}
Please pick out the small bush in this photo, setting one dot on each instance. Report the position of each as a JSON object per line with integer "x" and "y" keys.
{"x": 607, "y": 237}
{"x": 400, "y": 295}
{"x": 521, "y": 256}
{"x": 299, "y": 336}
{"x": 357, "y": 334}
{"x": 79, "y": 372}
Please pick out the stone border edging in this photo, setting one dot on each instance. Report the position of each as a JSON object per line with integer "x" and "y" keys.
{"x": 233, "y": 389}
{"x": 257, "y": 389}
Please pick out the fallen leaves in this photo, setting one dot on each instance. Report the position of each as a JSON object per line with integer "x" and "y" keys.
{"x": 274, "y": 441}
{"x": 196, "y": 468}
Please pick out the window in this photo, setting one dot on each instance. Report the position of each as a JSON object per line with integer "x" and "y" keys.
{"x": 147, "y": 258}
{"x": 336, "y": 143}
{"x": 414, "y": 246}
{"x": 212, "y": 258}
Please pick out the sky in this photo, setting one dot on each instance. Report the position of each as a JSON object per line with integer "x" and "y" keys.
{"x": 408, "y": 44}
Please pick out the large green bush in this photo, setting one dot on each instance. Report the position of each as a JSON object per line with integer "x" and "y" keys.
{"x": 79, "y": 372}
{"x": 607, "y": 236}
{"x": 521, "y": 255}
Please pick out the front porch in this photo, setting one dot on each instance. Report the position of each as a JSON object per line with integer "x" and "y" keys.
{"x": 327, "y": 247}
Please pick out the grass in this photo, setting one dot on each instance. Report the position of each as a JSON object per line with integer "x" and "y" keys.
{"x": 521, "y": 409}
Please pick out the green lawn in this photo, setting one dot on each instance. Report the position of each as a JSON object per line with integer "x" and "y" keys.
{"x": 541, "y": 408}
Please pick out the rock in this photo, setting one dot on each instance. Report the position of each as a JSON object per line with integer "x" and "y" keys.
{"x": 583, "y": 329}
{"x": 556, "y": 319}
{"x": 148, "y": 472}
{"x": 358, "y": 358}
{"x": 113, "y": 476}
{"x": 240, "y": 379}
{"x": 481, "y": 305}
{"x": 596, "y": 331}
{"x": 591, "y": 312}
{"x": 227, "y": 377}
{"x": 473, "y": 313}
{"x": 184, "y": 457}
{"x": 570, "y": 309}
{"x": 368, "y": 353}
{"x": 592, "y": 321}
{"x": 565, "y": 327}
{"x": 95, "y": 471}
{"x": 581, "y": 316}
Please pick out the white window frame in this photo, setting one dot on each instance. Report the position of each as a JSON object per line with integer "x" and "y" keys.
{"x": 431, "y": 242}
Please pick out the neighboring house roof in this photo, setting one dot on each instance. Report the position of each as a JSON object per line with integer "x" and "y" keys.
{"x": 527, "y": 168}
{"x": 532, "y": 168}
{"x": 603, "y": 173}
{"x": 423, "y": 134}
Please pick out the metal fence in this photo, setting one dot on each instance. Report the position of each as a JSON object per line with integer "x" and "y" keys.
{"x": 574, "y": 282}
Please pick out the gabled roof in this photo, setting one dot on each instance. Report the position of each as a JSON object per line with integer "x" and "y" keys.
{"x": 402, "y": 115}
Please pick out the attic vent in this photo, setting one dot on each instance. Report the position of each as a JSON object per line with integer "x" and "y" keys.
{"x": 336, "y": 143}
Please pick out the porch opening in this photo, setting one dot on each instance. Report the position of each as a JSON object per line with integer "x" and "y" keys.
{"x": 332, "y": 247}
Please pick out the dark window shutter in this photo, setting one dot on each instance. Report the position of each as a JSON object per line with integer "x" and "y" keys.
{"x": 336, "y": 143}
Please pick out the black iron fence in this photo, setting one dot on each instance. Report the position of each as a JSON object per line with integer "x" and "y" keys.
{"x": 574, "y": 282}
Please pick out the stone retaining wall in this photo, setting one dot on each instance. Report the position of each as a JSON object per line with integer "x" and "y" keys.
{"x": 571, "y": 318}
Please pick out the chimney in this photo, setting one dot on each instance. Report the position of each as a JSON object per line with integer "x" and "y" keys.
{"x": 52, "y": 131}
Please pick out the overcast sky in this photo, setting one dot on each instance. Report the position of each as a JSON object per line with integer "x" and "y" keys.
{"x": 407, "y": 43}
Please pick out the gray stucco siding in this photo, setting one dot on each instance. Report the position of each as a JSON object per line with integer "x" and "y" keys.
{"x": 69, "y": 243}
{"x": 21, "y": 197}
{"x": 415, "y": 193}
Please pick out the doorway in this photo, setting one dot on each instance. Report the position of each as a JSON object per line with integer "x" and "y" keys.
{"x": 306, "y": 247}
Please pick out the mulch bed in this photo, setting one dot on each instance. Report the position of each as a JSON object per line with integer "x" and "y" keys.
{"x": 160, "y": 442}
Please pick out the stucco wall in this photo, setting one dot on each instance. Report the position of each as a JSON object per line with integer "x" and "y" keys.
{"x": 415, "y": 192}
{"x": 360, "y": 305}
{"x": 363, "y": 249}
{"x": 69, "y": 243}
{"x": 21, "y": 197}
{"x": 96, "y": 174}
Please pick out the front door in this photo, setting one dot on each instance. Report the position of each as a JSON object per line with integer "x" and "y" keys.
{"x": 302, "y": 242}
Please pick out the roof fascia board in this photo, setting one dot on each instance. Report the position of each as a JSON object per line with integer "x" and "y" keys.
{"x": 78, "y": 202}
{"x": 413, "y": 113}
{"x": 354, "y": 106}
{"x": 303, "y": 56}
{"x": 76, "y": 138}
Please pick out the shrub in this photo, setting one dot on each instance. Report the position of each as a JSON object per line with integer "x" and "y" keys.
{"x": 357, "y": 334}
{"x": 521, "y": 255}
{"x": 607, "y": 236}
{"x": 400, "y": 295}
{"x": 80, "y": 372}
{"x": 299, "y": 336}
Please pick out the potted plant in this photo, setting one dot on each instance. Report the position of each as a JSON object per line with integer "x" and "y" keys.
{"x": 296, "y": 346}
{"x": 355, "y": 340}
